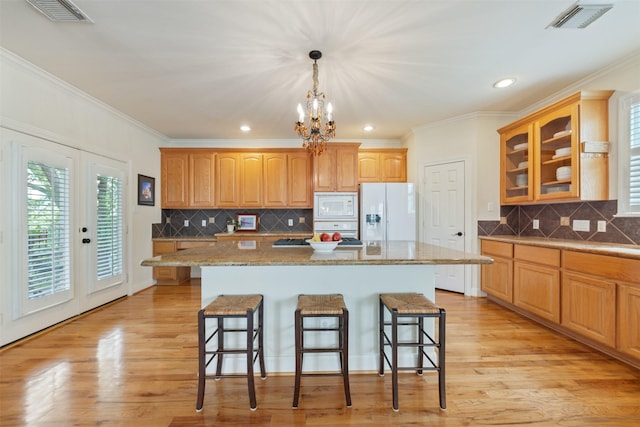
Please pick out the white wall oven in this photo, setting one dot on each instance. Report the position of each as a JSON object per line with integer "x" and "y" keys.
{"x": 336, "y": 211}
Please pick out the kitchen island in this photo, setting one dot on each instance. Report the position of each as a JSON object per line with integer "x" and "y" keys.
{"x": 281, "y": 273}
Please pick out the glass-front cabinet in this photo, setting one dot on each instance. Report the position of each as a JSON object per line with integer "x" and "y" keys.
{"x": 559, "y": 153}
{"x": 517, "y": 164}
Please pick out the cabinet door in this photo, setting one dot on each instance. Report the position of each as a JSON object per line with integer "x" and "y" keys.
{"x": 537, "y": 289}
{"x": 629, "y": 319}
{"x": 555, "y": 131}
{"x": 347, "y": 162}
{"x": 251, "y": 180}
{"x": 393, "y": 167}
{"x": 516, "y": 165}
{"x": 324, "y": 171}
{"x": 299, "y": 188}
{"x": 201, "y": 179}
{"x": 228, "y": 180}
{"x": 369, "y": 167}
{"x": 174, "y": 167}
{"x": 588, "y": 307}
{"x": 497, "y": 278}
{"x": 275, "y": 180}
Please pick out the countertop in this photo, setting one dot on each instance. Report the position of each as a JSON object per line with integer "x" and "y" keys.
{"x": 261, "y": 253}
{"x": 611, "y": 249}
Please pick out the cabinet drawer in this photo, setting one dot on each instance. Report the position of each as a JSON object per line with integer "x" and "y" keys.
{"x": 537, "y": 255}
{"x": 489, "y": 247}
{"x": 192, "y": 244}
{"x": 164, "y": 273}
{"x": 163, "y": 247}
{"x": 610, "y": 267}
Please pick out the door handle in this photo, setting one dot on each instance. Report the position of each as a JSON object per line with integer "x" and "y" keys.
{"x": 459, "y": 233}
{"x": 86, "y": 240}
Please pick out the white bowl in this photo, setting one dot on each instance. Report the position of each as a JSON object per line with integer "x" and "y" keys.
{"x": 561, "y": 152}
{"x": 522, "y": 180}
{"x": 521, "y": 146}
{"x": 323, "y": 246}
{"x": 563, "y": 172}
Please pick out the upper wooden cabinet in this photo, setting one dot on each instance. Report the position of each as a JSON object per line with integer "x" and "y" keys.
{"x": 187, "y": 178}
{"x": 382, "y": 165}
{"x": 223, "y": 178}
{"x": 559, "y": 153}
{"x": 336, "y": 169}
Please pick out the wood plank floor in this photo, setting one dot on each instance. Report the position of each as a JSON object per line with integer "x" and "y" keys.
{"x": 134, "y": 362}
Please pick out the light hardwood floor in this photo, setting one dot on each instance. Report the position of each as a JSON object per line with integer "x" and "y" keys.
{"x": 133, "y": 363}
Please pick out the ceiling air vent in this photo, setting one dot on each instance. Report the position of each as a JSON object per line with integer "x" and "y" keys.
{"x": 580, "y": 15}
{"x": 60, "y": 10}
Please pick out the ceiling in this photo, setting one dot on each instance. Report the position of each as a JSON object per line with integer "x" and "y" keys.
{"x": 199, "y": 69}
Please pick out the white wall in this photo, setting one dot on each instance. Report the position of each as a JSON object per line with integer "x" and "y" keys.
{"x": 37, "y": 103}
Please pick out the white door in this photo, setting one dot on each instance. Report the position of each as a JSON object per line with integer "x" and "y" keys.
{"x": 443, "y": 218}
{"x": 54, "y": 268}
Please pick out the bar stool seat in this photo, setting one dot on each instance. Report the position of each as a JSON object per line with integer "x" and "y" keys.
{"x": 228, "y": 307}
{"x": 410, "y": 310}
{"x": 331, "y": 305}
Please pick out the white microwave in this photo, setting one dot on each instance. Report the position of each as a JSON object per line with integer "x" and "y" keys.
{"x": 335, "y": 206}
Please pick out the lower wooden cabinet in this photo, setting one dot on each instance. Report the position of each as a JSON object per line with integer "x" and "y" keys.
{"x": 590, "y": 297}
{"x": 629, "y": 319}
{"x": 536, "y": 281}
{"x": 174, "y": 275}
{"x": 497, "y": 278}
{"x": 589, "y": 307}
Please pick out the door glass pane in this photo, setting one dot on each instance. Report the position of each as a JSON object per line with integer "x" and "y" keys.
{"x": 109, "y": 227}
{"x": 48, "y": 221}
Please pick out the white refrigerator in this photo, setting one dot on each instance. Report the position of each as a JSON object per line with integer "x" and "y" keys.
{"x": 388, "y": 211}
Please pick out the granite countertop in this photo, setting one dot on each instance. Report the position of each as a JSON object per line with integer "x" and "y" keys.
{"x": 277, "y": 234}
{"x": 261, "y": 253}
{"x": 611, "y": 249}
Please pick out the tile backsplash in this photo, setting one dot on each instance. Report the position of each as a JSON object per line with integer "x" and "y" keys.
{"x": 269, "y": 220}
{"x": 519, "y": 222}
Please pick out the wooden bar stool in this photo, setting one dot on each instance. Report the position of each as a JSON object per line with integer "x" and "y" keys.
{"x": 322, "y": 306}
{"x": 414, "y": 308}
{"x": 228, "y": 307}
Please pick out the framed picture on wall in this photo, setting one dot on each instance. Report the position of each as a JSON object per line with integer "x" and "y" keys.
{"x": 146, "y": 190}
{"x": 247, "y": 222}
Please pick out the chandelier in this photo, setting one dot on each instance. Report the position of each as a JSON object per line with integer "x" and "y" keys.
{"x": 313, "y": 138}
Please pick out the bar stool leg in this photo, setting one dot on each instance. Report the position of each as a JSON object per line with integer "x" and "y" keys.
{"x": 201, "y": 360}
{"x": 381, "y": 339}
{"x": 250, "y": 379}
{"x": 263, "y": 371}
{"x": 420, "y": 344}
{"x": 298, "y": 347}
{"x": 394, "y": 358}
{"x": 344, "y": 333}
{"x": 220, "y": 347}
{"x": 441, "y": 362}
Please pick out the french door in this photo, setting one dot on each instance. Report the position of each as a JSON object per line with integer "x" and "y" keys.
{"x": 66, "y": 233}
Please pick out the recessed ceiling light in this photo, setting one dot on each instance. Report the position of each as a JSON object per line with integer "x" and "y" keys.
{"x": 245, "y": 128}
{"x": 368, "y": 128}
{"x": 504, "y": 83}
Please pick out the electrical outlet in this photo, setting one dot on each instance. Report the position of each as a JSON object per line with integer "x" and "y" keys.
{"x": 168, "y": 220}
{"x": 536, "y": 224}
{"x": 602, "y": 226}
{"x": 564, "y": 220}
{"x": 503, "y": 220}
{"x": 204, "y": 222}
{"x": 212, "y": 220}
{"x": 186, "y": 222}
{"x": 580, "y": 225}
{"x": 490, "y": 207}
{"x": 290, "y": 222}
{"x": 301, "y": 220}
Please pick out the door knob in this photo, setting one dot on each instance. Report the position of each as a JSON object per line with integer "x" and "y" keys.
{"x": 86, "y": 240}
{"x": 84, "y": 229}
{"x": 459, "y": 233}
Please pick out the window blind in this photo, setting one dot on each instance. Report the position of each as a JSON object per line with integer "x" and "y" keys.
{"x": 48, "y": 222}
{"x": 634, "y": 155}
{"x": 109, "y": 262}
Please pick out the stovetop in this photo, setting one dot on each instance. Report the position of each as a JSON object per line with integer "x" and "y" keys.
{"x": 292, "y": 243}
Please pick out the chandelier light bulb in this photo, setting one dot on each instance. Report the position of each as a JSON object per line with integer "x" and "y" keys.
{"x": 300, "y": 113}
